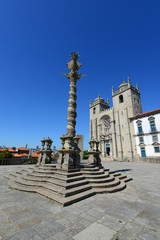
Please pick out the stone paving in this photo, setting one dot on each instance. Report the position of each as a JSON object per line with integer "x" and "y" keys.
{"x": 132, "y": 214}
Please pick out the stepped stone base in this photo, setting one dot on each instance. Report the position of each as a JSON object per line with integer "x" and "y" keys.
{"x": 67, "y": 186}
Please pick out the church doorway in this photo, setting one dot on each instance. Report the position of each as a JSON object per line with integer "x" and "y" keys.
{"x": 108, "y": 149}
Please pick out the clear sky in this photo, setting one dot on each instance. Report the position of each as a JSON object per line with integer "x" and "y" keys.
{"x": 115, "y": 39}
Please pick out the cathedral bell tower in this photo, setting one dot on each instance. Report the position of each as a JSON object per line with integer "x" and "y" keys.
{"x": 98, "y": 106}
{"x": 127, "y": 97}
{"x": 126, "y": 104}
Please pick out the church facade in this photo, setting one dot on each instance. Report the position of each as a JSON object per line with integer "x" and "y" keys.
{"x": 113, "y": 126}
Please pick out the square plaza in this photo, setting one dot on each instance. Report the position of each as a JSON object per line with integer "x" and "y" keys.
{"x": 132, "y": 214}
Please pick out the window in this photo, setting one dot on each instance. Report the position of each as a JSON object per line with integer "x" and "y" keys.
{"x": 156, "y": 149}
{"x": 120, "y": 98}
{"x": 152, "y": 125}
{"x": 143, "y": 152}
{"x": 108, "y": 149}
{"x": 94, "y": 110}
{"x": 139, "y": 128}
{"x": 155, "y": 138}
{"x": 141, "y": 140}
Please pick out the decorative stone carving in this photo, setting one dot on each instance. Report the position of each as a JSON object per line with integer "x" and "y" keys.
{"x": 94, "y": 153}
{"x": 107, "y": 124}
{"x": 45, "y": 153}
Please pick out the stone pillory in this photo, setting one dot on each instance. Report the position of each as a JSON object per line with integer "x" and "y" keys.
{"x": 69, "y": 153}
{"x": 68, "y": 181}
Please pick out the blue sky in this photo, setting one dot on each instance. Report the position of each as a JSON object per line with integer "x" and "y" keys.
{"x": 115, "y": 39}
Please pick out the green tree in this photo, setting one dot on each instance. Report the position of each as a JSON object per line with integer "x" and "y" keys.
{"x": 5, "y": 154}
{"x": 85, "y": 154}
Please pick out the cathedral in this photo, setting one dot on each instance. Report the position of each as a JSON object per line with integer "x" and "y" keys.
{"x": 116, "y": 128}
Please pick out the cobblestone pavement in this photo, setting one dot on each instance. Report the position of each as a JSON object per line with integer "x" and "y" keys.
{"x": 132, "y": 214}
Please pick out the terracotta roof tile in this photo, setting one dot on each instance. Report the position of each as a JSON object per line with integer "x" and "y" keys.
{"x": 16, "y": 155}
{"x": 146, "y": 113}
{"x": 21, "y": 148}
{"x": 9, "y": 149}
{"x": 35, "y": 155}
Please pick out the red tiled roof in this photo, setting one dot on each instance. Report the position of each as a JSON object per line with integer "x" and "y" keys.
{"x": 146, "y": 113}
{"x": 16, "y": 155}
{"x": 9, "y": 149}
{"x": 21, "y": 148}
{"x": 24, "y": 154}
{"x": 35, "y": 155}
{"x": 3, "y": 149}
{"x": 20, "y": 155}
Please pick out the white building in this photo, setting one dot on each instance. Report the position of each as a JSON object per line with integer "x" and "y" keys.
{"x": 147, "y": 133}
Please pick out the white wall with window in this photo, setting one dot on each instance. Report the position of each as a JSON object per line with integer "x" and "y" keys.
{"x": 147, "y": 133}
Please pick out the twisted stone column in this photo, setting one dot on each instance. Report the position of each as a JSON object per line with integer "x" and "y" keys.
{"x": 73, "y": 76}
{"x": 72, "y": 109}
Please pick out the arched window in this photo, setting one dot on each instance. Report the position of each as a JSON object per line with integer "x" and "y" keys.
{"x": 156, "y": 147}
{"x": 152, "y": 124}
{"x": 139, "y": 126}
{"x": 120, "y": 98}
{"x": 94, "y": 110}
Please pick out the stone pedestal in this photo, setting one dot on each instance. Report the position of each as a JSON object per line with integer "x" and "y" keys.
{"x": 69, "y": 153}
{"x": 94, "y": 153}
{"x": 45, "y": 153}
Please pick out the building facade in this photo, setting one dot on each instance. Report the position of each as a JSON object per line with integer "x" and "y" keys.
{"x": 116, "y": 127}
{"x": 147, "y": 134}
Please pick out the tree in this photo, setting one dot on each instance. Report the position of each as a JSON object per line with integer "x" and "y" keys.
{"x": 5, "y": 154}
{"x": 85, "y": 154}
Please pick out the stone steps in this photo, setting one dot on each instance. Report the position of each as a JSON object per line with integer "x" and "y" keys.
{"x": 76, "y": 198}
{"x": 53, "y": 187}
{"x": 96, "y": 176}
{"x": 57, "y": 174}
{"x": 57, "y": 177}
{"x": 65, "y": 184}
{"x": 127, "y": 179}
{"x": 90, "y": 169}
{"x": 43, "y": 171}
{"x": 106, "y": 185}
{"x": 46, "y": 168}
{"x": 67, "y": 187}
{"x": 121, "y": 177}
{"x": 116, "y": 174}
{"x": 72, "y": 174}
{"x": 93, "y": 172}
{"x": 17, "y": 172}
{"x": 65, "y": 201}
{"x": 69, "y": 200}
{"x": 106, "y": 169}
{"x": 50, "y": 165}
{"x": 49, "y": 186}
{"x": 117, "y": 188}
{"x": 56, "y": 182}
{"x": 13, "y": 175}
{"x": 101, "y": 180}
